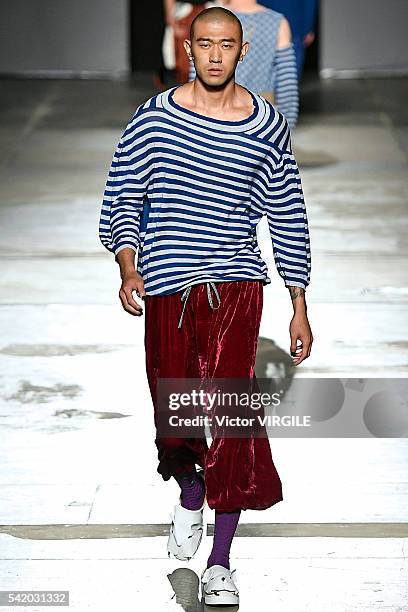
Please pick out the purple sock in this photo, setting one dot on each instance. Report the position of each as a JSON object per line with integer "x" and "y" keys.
{"x": 225, "y": 526}
{"x": 192, "y": 490}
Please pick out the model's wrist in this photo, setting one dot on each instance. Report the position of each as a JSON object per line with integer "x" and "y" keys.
{"x": 125, "y": 272}
{"x": 125, "y": 257}
{"x": 297, "y": 295}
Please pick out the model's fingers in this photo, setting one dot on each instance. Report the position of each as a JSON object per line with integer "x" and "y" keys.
{"x": 140, "y": 290}
{"x": 128, "y": 302}
{"x": 126, "y": 305}
{"x": 306, "y": 343}
{"x": 129, "y": 296}
{"x": 310, "y": 348}
{"x": 296, "y": 353}
{"x": 293, "y": 346}
{"x": 298, "y": 357}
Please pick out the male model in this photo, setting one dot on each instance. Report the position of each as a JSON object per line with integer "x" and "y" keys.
{"x": 195, "y": 170}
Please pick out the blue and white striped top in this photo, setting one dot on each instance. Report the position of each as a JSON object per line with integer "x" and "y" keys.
{"x": 265, "y": 67}
{"x": 186, "y": 192}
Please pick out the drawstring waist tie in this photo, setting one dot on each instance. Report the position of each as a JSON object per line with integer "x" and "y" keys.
{"x": 186, "y": 293}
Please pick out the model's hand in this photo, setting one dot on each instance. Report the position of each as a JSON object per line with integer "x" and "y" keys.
{"x": 132, "y": 281}
{"x": 308, "y": 39}
{"x": 299, "y": 329}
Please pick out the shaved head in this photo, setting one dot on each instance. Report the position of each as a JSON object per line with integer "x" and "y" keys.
{"x": 216, "y": 14}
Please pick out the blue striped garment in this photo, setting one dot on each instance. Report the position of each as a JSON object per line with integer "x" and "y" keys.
{"x": 265, "y": 67}
{"x": 186, "y": 192}
{"x": 286, "y": 84}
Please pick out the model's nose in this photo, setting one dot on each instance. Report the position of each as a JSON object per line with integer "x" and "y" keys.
{"x": 215, "y": 55}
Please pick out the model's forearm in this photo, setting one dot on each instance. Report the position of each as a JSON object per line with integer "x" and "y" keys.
{"x": 298, "y": 297}
{"x": 126, "y": 260}
{"x": 168, "y": 10}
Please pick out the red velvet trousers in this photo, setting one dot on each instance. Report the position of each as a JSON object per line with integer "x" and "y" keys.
{"x": 212, "y": 343}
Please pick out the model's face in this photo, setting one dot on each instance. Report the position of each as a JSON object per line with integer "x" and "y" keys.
{"x": 216, "y": 49}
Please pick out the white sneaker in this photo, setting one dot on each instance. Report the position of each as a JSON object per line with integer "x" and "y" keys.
{"x": 186, "y": 532}
{"x": 219, "y": 587}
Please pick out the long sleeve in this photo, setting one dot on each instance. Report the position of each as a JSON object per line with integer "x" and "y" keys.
{"x": 126, "y": 186}
{"x": 286, "y": 84}
{"x": 287, "y": 219}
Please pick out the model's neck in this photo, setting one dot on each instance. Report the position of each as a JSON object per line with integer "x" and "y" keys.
{"x": 245, "y": 6}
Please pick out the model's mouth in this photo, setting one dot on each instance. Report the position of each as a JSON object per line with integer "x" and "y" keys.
{"x": 217, "y": 70}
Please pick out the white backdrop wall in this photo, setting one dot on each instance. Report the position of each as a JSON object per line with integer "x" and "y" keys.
{"x": 363, "y": 36}
{"x": 67, "y": 36}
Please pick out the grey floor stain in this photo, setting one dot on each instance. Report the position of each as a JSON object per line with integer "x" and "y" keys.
{"x": 398, "y": 344}
{"x": 28, "y": 393}
{"x": 56, "y": 350}
{"x": 73, "y": 412}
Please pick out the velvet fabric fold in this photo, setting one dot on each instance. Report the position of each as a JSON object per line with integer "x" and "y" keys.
{"x": 212, "y": 343}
